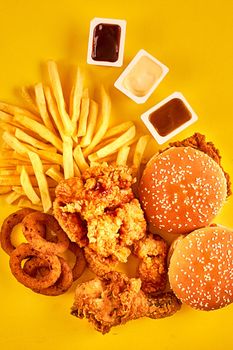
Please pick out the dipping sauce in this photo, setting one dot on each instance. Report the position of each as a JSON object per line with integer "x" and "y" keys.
{"x": 170, "y": 116}
{"x": 142, "y": 76}
{"x": 106, "y": 41}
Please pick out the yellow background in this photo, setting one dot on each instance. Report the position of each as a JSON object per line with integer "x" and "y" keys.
{"x": 194, "y": 39}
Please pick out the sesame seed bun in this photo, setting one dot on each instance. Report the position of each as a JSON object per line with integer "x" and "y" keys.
{"x": 201, "y": 268}
{"x": 182, "y": 189}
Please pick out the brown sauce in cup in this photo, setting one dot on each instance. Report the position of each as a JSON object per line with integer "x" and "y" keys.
{"x": 106, "y": 42}
{"x": 170, "y": 116}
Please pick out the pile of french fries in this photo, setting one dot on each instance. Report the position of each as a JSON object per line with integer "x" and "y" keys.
{"x": 52, "y": 139}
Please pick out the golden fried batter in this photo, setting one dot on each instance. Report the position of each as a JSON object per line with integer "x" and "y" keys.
{"x": 152, "y": 252}
{"x": 99, "y": 265}
{"x": 99, "y": 211}
{"x": 98, "y": 189}
{"x": 116, "y": 299}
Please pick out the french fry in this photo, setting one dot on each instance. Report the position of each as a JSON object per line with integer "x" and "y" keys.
{"x": 55, "y": 174}
{"x": 80, "y": 159}
{"x": 11, "y": 163}
{"x": 105, "y": 110}
{"x": 7, "y": 154}
{"x": 85, "y": 93}
{"x": 58, "y": 94}
{"x": 9, "y": 180}
{"x": 22, "y": 148}
{"x": 5, "y": 147}
{"x": 18, "y": 189}
{"x": 91, "y": 123}
{"x": 75, "y": 96}
{"x": 41, "y": 104}
{"x": 14, "y": 143}
{"x": 7, "y": 127}
{"x": 51, "y": 157}
{"x": 21, "y": 157}
{"x": 118, "y": 129}
{"x": 27, "y": 187}
{"x": 132, "y": 141}
{"x": 93, "y": 164}
{"x": 40, "y": 129}
{"x": 139, "y": 150}
{"x": 48, "y": 158}
{"x": 42, "y": 181}
{"x": 8, "y": 119}
{"x": 5, "y": 189}
{"x": 26, "y": 96}
{"x": 77, "y": 172}
{"x": 68, "y": 157}
{"x": 93, "y": 158}
{"x": 122, "y": 155}
{"x": 103, "y": 143}
{"x": 6, "y": 172}
{"x": 23, "y": 136}
{"x": 14, "y": 180}
{"x": 82, "y": 126}
{"x": 115, "y": 145}
{"x": 26, "y": 203}
{"x": 111, "y": 158}
{"x": 30, "y": 170}
{"x": 52, "y": 107}
{"x": 12, "y": 197}
{"x": 51, "y": 149}
{"x": 13, "y": 110}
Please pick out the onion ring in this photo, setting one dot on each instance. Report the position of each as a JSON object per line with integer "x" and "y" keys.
{"x": 35, "y": 267}
{"x": 80, "y": 262}
{"x": 8, "y": 224}
{"x": 30, "y": 230}
{"x": 24, "y": 251}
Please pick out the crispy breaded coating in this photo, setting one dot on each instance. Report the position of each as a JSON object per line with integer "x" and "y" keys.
{"x": 99, "y": 211}
{"x": 152, "y": 251}
{"x": 98, "y": 264}
{"x": 163, "y": 305}
{"x": 115, "y": 299}
{"x": 100, "y": 188}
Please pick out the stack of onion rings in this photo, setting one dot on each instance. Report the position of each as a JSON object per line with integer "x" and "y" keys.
{"x": 43, "y": 271}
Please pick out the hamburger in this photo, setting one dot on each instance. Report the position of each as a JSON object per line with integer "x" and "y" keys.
{"x": 201, "y": 268}
{"x": 184, "y": 187}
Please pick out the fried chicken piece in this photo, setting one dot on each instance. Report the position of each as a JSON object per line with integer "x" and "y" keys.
{"x": 99, "y": 265}
{"x": 152, "y": 251}
{"x": 110, "y": 301}
{"x": 133, "y": 225}
{"x": 162, "y": 305}
{"x": 99, "y": 210}
{"x": 104, "y": 236}
{"x": 83, "y": 198}
{"x": 99, "y": 188}
{"x": 113, "y": 232}
{"x": 116, "y": 299}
